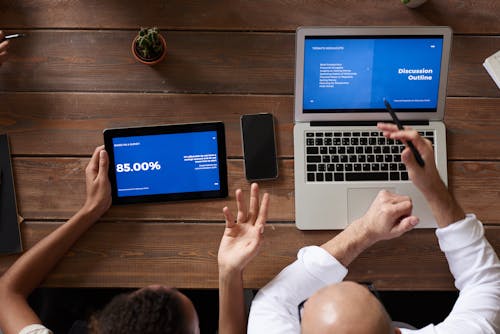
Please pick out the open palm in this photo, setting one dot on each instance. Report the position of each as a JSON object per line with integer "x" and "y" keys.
{"x": 242, "y": 237}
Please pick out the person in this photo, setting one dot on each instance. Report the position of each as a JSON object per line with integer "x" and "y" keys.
{"x": 310, "y": 296}
{"x": 153, "y": 309}
{"x": 3, "y": 48}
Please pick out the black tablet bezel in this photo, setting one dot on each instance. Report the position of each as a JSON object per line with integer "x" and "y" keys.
{"x": 109, "y": 134}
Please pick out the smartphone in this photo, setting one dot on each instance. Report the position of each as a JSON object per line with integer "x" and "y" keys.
{"x": 259, "y": 147}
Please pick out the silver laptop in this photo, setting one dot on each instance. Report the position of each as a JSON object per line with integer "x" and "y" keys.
{"x": 343, "y": 75}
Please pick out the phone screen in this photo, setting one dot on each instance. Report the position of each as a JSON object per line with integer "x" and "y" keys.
{"x": 259, "y": 146}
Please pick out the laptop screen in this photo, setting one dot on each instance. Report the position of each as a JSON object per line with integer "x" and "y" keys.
{"x": 355, "y": 74}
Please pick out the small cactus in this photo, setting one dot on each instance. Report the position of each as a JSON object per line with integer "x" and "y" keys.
{"x": 148, "y": 43}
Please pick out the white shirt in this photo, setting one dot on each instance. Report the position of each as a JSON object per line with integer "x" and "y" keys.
{"x": 472, "y": 261}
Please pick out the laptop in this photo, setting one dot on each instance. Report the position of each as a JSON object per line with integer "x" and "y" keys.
{"x": 343, "y": 75}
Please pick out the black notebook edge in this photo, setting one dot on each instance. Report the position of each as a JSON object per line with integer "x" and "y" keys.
{"x": 10, "y": 234}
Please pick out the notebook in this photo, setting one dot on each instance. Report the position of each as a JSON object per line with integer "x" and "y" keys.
{"x": 10, "y": 236}
{"x": 343, "y": 75}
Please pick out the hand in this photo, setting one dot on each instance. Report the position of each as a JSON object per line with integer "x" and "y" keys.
{"x": 3, "y": 48}
{"x": 241, "y": 240}
{"x": 98, "y": 187}
{"x": 388, "y": 217}
{"x": 426, "y": 178}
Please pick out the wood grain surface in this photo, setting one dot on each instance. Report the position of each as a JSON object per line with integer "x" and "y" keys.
{"x": 465, "y": 17}
{"x": 476, "y": 185}
{"x": 242, "y": 62}
{"x": 74, "y": 76}
{"x": 125, "y": 254}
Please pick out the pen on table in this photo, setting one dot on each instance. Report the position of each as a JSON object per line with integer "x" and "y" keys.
{"x": 396, "y": 120}
{"x": 12, "y": 36}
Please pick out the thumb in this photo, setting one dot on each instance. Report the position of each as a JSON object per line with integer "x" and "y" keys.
{"x": 405, "y": 225}
{"x": 103, "y": 164}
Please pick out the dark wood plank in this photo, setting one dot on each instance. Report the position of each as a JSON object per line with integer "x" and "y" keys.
{"x": 478, "y": 17}
{"x": 242, "y": 63}
{"x": 184, "y": 255}
{"x": 53, "y": 188}
{"x": 472, "y": 128}
{"x": 72, "y": 123}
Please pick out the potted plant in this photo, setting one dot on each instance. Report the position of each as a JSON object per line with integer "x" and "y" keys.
{"x": 413, "y": 3}
{"x": 149, "y": 46}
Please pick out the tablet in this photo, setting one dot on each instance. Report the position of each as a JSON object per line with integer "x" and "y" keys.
{"x": 168, "y": 162}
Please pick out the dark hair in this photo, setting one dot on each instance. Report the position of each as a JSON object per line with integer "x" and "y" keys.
{"x": 145, "y": 311}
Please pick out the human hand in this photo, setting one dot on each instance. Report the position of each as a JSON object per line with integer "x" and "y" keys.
{"x": 242, "y": 238}
{"x": 3, "y": 48}
{"x": 98, "y": 198}
{"x": 426, "y": 178}
{"x": 388, "y": 217}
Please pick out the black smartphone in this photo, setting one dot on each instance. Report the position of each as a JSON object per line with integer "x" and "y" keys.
{"x": 259, "y": 147}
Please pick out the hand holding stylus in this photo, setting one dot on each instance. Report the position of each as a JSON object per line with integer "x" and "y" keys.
{"x": 396, "y": 120}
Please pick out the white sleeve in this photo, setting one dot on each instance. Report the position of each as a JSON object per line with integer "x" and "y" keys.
{"x": 275, "y": 308}
{"x": 476, "y": 270}
{"x": 35, "y": 329}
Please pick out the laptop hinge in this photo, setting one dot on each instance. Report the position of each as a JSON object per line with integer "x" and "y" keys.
{"x": 363, "y": 123}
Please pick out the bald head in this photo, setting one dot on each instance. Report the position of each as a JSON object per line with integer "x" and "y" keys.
{"x": 345, "y": 308}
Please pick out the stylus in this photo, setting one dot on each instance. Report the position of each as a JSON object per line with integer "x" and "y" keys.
{"x": 396, "y": 120}
{"x": 13, "y": 36}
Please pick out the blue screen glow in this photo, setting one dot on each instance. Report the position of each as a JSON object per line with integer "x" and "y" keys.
{"x": 166, "y": 163}
{"x": 358, "y": 73}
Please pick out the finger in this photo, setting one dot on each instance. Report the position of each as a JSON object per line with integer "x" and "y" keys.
{"x": 2, "y": 34}
{"x": 93, "y": 166}
{"x": 254, "y": 202}
{"x": 387, "y": 127}
{"x": 103, "y": 164}
{"x": 4, "y": 45}
{"x": 400, "y": 198}
{"x": 264, "y": 207}
{"x": 240, "y": 203}
{"x": 228, "y": 216}
{"x": 402, "y": 208}
{"x": 405, "y": 225}
{"x": 409, "y": 159}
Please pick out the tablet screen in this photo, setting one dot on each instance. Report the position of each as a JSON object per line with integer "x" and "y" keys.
{"x": 172, "y": 162}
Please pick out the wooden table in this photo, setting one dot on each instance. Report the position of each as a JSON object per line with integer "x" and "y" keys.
{"x": 75, "y": 76}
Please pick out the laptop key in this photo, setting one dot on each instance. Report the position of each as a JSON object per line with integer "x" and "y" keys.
{"x": 321, "y": 167}
{"x": 394, "y": 176}
{"x": 310, "y": 177}
{"x": 323, "y": 150}
{"x": 312, "y": 150}
{"x": 372, "y": 176}
{"x": 319, "y": 134}
{"x": 319, "y": 141}
{"x": 338, "y": 176}
{"x": 328, "y": 177}
{"x": 309, "y": 134}
{"x": 319, "y": 177}
{"x": 404, "y": 176}
{"x": 310, "y": 142}
{"x": 348, "y": 167}
{"x": 330, "y": 167}
{"x": 311, "y": 167}
{"x": 357, "y": 167}
{"x": 314, "y": 158}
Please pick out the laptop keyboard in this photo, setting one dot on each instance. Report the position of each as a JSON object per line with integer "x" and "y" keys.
{"x": 355, "y": 156}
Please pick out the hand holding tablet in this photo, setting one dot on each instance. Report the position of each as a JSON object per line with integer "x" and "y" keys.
{"x": 165, "y": 163}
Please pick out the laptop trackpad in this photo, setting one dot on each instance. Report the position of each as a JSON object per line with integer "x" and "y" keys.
{"x": 359, "y": 200}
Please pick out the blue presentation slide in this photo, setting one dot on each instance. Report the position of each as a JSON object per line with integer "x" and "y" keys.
{"x": 358, "y": 73}
{"x": 166, "y": 163}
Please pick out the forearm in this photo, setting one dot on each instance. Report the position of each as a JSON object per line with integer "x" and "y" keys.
{"x": 232, "y": 319}
{"x": 34, "y": 265}
{"x": 348, "y": 244}
{"x": 444, "y": 207}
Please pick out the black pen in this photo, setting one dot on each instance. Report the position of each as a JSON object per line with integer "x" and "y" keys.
{"x": 13, "y": 36}
{"x": 396, "y": 120}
